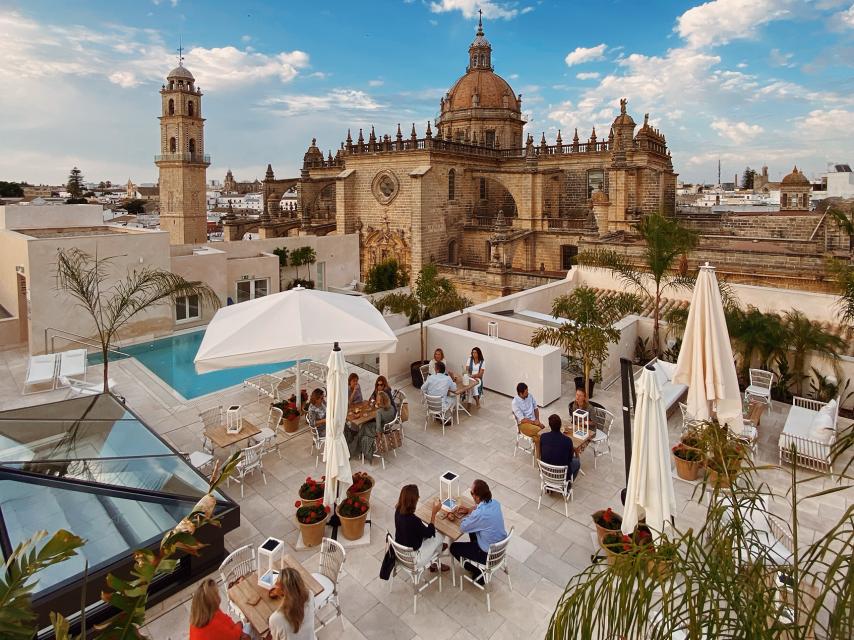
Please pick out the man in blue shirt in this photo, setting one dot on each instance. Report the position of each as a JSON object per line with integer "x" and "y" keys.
{"x": 440, "y": 384}
{"x": 484, "y": 524}
{"x": 557, "y": 449}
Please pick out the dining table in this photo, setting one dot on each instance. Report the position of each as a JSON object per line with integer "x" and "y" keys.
{"x": 462, "y": 397}
{"x": 360, "y": 413}
{"x": 255, "y": 602}
{"x": 579, "y": 442}
{"x": 220, "y": 438}
{"x": 444, "y": 525}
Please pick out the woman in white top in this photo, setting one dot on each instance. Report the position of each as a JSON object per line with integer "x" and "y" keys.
{"x": 476, "y": 370}
{"x": 294, "y": 619}
{"x": 438, "y": 356}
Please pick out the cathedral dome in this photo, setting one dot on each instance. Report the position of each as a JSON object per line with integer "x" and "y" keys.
{"x": 180, "y": 72}
{"x": 482, "y": 88}
{"x": 796, "y": 178}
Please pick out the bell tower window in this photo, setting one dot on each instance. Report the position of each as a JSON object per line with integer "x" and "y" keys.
{"x": 190, "y": 108}
{"x": 452, "y": 178}
{"x": 171, "y": 107}
{"x": 474, "y": 61}
{"x": 191, "y": 147}
{"x": 173, "y": 145}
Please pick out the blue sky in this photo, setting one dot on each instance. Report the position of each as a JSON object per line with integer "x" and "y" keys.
{"x": 751, "y": 82}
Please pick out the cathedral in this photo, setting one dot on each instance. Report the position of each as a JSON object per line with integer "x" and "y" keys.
{"x": 473, "y": 193}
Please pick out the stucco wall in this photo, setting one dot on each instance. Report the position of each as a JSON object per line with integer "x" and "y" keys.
{"x": 51, "y": 216}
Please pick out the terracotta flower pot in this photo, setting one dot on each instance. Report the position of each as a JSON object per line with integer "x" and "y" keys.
{"x": 309, "y": 502}
{"x": 353, "y": 528}
{"x": 312, "y": 534}
{"x": 601, "y": 531}
{"x": 364, "y": 495}
{"x": 291, "y": 425}
{"x": 687, "y": 469}
{"x": 719, "y": 479}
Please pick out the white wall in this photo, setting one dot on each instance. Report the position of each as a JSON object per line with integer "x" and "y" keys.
{"x": 50, "y": 216}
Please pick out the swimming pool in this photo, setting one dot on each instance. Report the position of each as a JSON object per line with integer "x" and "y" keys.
{"x": 171, "y": 360}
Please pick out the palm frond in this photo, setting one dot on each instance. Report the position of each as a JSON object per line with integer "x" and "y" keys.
{"x": 844, "y": 274}
{"x": 405, "y": 303}
{"x": 619, "y": 265}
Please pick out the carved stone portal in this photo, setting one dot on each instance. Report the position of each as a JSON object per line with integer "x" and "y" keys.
{"x": 380, "y": 245}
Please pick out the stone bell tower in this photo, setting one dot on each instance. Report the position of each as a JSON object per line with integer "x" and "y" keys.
{"x": 182, "y": 160}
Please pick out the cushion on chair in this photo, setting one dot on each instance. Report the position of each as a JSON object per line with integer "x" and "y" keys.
{"x": 321, "y": 599}
{"x": 753, "y": 390}
{"x": 822, "y": 427}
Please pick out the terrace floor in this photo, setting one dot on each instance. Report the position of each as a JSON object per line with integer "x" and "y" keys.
{"x": 546, "y": 551}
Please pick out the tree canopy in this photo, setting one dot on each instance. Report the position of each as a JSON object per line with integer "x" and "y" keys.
{"x": 75, "y": 183}
{"x": 11, "y": 190}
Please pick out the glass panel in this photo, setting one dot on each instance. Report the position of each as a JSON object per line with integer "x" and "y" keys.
{"x": 243, "y": 290}
{"x": 181, "y": 308}
{"x": 193, "y": 306}
{"x": 260, "y": 288}
{"x": 111, "y": 526}
{"x": 595, "y": 180}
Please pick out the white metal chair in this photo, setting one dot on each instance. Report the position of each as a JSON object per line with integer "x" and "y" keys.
{"x": 399, "y": 401}
{"x": 41, "y": 370}
{"x": 601, "y": 442}
{"x": 524, "y": 443}
{"x": 760, "y": 387}
{"x": 317, "y": 442}
{"x": 332, "y": 557}
{"x": 496, "y": 560}
{"x": 199, "y": 459}
{"x": 72, "y": 366}
{"x": 407, "y": 562}
{"x": 553, "y": 479}
{"x": 211, "y": 418}
{"x": 688, "y": 420}
{"x": 269, "y": 434}
{"x": 425, "y": 371}
{"x": 250, "y": 461}
{"x": 437, "y": 410}
{"x": 237, "y": 565}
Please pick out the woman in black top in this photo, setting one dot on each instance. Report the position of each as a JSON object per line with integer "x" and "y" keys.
{"x": 411, "y": 532}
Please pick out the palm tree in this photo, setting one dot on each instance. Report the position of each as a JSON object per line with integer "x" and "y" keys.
{"x": 433, "y": 296}
{"x": 84, "y": 278}
{"x": 589, "y": 328}
{"x": 844, "y": 273}
{"x": 666, "y": 241}
{"x": 756, "y": 335}
{"x": 803, "y": 335}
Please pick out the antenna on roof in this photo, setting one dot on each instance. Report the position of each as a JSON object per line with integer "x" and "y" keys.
{"x": 180, "y": 53}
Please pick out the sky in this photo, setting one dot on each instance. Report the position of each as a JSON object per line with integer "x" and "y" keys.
{"x": 749, "y": 82}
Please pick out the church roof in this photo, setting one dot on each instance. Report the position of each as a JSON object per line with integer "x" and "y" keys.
{"x": 489, "y": 87}
{"x": 796, "y": 178}
{"x": 180, "y": 72}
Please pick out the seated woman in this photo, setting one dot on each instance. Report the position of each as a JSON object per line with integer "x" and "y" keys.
{"x": 382, "y": 385}
{"x": 476, "y": 370}
{"x": 294, "y": 619}
{"x": 411, "y": 532}
{"x": 354, "y": 391}
{"x": 364, "y": 441}
{"x": 438, "y": 356}
{"x": 208, "y": 621}
{"x": 317, "y": 411}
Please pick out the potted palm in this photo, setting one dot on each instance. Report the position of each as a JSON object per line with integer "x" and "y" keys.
{"x": 688, "y": 461}
{"x": 311, "y": 491}
{"x": 361, "y": 487}
{"x": 311, "y": 519}
{"x": 432, "y": 296}
{"x": 607, "y": 522}
{"x": 587, "y": 329}
{"x": 353, "y": 512}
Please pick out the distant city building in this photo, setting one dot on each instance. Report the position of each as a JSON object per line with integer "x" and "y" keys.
{"x": 230, "y": 185}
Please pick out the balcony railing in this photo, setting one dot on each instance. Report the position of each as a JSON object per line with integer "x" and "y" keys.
{"x": 183, "y": 157}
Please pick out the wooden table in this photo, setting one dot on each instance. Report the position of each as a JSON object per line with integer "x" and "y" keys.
{"x": 463, "y": 389}
{"x": 222, "y": 439}
{"x": 580, "y": 444}
{"x": 255, "y": 602}
{"x": 443, "y": 525}
{"x": 367, "y": 413}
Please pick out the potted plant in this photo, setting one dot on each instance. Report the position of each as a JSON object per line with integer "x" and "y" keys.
{"x": 311, "y": 491}
{"x": 588, "y": 328}
{"x": 606, "y": 522}
{"x": 311, "y": 519}
{"x": 724, "y": 463}
{"x": 361, "y": 487}
{"x": 688, "y": 461}
{"x": 615, "y": 544}
{"x": 353, "y": 512}
{"x": 432, "y": 296}
{"x": 290, "y": 413}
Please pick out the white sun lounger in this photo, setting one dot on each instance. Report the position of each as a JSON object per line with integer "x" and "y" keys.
{"x": 72, "y": 364}
{"x": 41, "y": 371}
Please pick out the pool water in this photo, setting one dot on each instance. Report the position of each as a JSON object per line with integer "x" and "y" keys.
{"x": 171, "y": 360}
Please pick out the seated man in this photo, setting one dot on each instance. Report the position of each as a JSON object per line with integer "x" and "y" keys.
{"x": 524, "y": 407}
{"x": 556, "y": 448}
{"x": 484, "y": 524}
{"x": 440, "y": 384}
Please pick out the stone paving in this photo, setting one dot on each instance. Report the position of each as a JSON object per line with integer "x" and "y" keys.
{"x": 547, "y": 548}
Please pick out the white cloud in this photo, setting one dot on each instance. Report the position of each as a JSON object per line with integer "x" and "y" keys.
{"x": 246, "y": 38}
{"x": 585, "y": 54}
{"x": 378, "y": 82}
{"x": 337, "y": 99}
{"x": 469, "y": 8}
{"x": 129, "y": 56}
{"x": 780, "y": 59}
{"x": 588, "y": 75}
{"x": 722, "y": 21}
{"x": 736, "y": 132}
{"x": 845, "y": 17}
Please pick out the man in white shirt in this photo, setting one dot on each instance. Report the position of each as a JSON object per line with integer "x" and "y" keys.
{"x": 527, "y": 414}
{"x": 440, "y": 384}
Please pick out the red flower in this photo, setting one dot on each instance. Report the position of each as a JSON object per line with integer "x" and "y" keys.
{"x": 308, "y": 479}
{"x": 626, "y": 547}
{"x": 607, "y": 516}
{"x": 298, "y": 504}
{"x": 326, "y": 508}
{"x": 364, "y": 508}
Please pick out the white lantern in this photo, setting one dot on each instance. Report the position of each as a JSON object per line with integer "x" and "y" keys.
{"x": 269, "y": 562}
{"x": 580, "y": 423}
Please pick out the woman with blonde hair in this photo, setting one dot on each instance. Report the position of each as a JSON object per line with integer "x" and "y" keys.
{"x": 294, "y": 619}
{"x": 208, "y": 621}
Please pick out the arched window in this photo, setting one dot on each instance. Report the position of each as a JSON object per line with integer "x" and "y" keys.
{"x": 474, "y": 61}
{"x": 173, "y": 145}
{"x": 191, "y": 147}
{"x": 783, "y": 199}
{"x": 452, "y": 179}
{"x": 452, "y": 252}
{"x": 482, "y": 59}
{"x": 190, "y": 108}
{"x": 171, "y": 107}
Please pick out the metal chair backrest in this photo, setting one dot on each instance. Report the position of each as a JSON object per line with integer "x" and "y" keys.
{"x": 497, "y": 555}
{"x": 317, "y": 439}
{"x": 332, "y": 556}
{"x": 603, "y": 419}
{"x": 406, "y": 556}
{"x": 435, "y": 406}
{"x": 399, "y": 401}
{"x": 761, "y": 378}
{"x": 553, "y": 476}
{"x": 274, "y": 419}
{"x": 252, "y": 456}
{"x": 240, "y": 562}
{"x": 425, "y": 371}
{"x": 212, "y": 417}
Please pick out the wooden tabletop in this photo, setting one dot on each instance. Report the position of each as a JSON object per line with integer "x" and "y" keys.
{"x": 256, "y": 603}
{"x": 580, "y": 444}
{"x": 223, "y": 439}
{"x": 367, "y": 413}
{"x": 443, "y": 525}
{"x": 465, "y": 388}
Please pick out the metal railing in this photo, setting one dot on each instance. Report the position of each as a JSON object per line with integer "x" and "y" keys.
{"x": 76, "y": 339}
{"x": 183, "y": 157}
